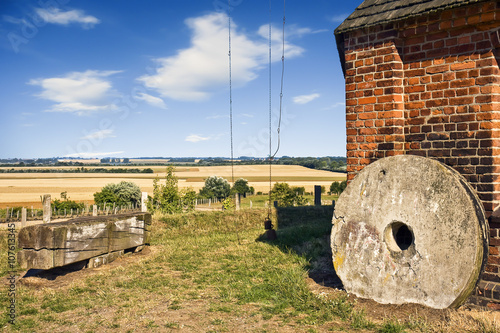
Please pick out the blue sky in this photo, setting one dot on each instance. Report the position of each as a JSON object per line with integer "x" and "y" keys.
{"x": 150, "y": 78}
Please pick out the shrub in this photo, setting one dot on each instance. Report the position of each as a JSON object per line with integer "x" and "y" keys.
{"x": 167, "y": 198}
{"x": 65, "y": 203}
{"x": 120, "y": 194}
{"x": 287, "y": 196}
{"x": 215, "y": 187}
{"x": 338, "y": 187}
{"x": 241, "y": 186}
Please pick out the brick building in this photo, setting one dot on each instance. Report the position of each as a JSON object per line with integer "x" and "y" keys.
{"x": 422, "y": 77}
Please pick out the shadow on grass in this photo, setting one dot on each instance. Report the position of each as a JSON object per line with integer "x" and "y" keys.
{"x": 306, "y": 232}
{"x": 54, "y": 273}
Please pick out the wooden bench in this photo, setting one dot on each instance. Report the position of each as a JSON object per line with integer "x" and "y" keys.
{"x": 97, "y": 239}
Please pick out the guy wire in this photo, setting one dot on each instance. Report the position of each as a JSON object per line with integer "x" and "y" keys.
{"x": 270, "y": 115}
{"x": 230, "y": 94}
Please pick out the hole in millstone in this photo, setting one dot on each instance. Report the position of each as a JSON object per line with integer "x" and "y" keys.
{"x": 398, "y": 236}
{"x": 403, "y": 236}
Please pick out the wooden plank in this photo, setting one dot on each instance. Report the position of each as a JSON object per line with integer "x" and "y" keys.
{"x": 57, "y": 244}
{"x": 126, "y": 234}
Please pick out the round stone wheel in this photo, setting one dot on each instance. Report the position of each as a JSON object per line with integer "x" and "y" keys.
{"x": 409, "y": 229}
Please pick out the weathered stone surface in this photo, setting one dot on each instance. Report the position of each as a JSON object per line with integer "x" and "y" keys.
{"x": 126, "y": 234}
{"x": 409, "y": 230}
{"x": 144, "y": 200}
{"x": 47, "y": 211}
{"x": 104, "y": 259}
{"x": 57, "y": 244}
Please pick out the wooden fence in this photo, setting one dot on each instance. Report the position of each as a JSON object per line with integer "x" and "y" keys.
{"x": 15, "y": 214}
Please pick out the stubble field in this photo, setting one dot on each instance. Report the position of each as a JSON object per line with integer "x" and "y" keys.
{"x": 25, "y": 189}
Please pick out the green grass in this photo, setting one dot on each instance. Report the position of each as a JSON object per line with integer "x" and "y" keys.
{"x": 215, "y": 266}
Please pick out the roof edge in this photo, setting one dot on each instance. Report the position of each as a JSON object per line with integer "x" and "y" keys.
{"x": 341, "y": 30}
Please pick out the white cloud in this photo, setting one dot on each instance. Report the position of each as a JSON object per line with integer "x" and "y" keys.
{"x": 14, "y": 20}
{"x": 303, "y": 99}
{"x": 339, "y": 18}
{"x": 247, "y": 115}
{"x": 196, "y": 72}
{"x": 95, "y": 154}
{"x": 217, "y": 116}
{"x": 334, "y": 106}
{"x": 151, "y": 100}
{"x": 99, "y": 135}
{"x": 196, "y": 138}
{"x": 291, "y": 31}
{"x": 56, "y": 16}
{"x": 78, "y": 92}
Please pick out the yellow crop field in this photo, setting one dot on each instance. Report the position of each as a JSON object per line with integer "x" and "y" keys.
{"x": 25, "y": 189}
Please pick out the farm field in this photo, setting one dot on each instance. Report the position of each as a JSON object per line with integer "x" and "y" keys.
{"x": 25, "y": 189}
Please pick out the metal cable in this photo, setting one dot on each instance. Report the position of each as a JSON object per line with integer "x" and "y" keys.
{"x": 282, "y": 80}
{"x": 270, "y": 117}
{"x": 230, "y": 93}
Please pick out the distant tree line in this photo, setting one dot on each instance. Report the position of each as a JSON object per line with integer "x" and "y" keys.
{"x": 329, "y": 163}
{"x": 81, "y": 170}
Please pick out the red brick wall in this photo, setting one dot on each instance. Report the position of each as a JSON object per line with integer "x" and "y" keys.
{"x": 430, "y": 86}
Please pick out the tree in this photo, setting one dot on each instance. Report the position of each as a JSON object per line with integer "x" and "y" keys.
{"x": 300, "y": 190}
{"x": 215, "y": 187}
{"x": 343, "y": 185}
{"x": 338, "y": 187}
{"x": 120, "y": 194}
{"x": 287, "y": 196}
{"x": 334, "y": 188}
{"x": 167, "y": 198}
{"x": 241, "y": 186}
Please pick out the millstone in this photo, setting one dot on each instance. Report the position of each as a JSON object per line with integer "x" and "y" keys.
{"x": 409, "y": 229}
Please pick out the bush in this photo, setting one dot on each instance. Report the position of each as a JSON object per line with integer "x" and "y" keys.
{"x": 167, "y": 198}
{"x": 65, "y": 203}
{"x": 287, "y": 196}
{"x": 241, "y": 186}
{"x": 338, "y": 187}
{"x": 215, "y": 187}
{"x": 120, "y": 194}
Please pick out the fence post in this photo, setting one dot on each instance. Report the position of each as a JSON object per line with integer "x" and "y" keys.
{"x": 237, "y": 201}
{"x": 144, "y": 199}
{"x": 94, "y": 210}
{"x": 6, "y": 214}
{"x": 317, "y": 195}
{"x": 47, "y": 211}
{"x": 23, "y": 217}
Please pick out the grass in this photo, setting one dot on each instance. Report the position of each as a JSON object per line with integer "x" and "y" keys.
{"x": 208, "y": 272}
